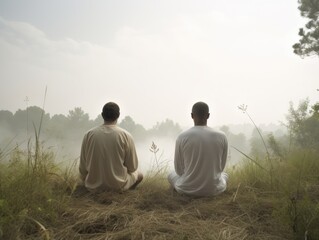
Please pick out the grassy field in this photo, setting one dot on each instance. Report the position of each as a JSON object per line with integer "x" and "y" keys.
{"x": 268, "y": 199}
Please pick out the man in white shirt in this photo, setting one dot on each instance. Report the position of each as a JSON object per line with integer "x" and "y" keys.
{"x": 108, "y": 158}
{"x": 200, "y": 157}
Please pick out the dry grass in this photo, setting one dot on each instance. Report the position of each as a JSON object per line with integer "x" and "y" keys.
{"x": 40, "y": 203}
{"x": 153, "y": 211}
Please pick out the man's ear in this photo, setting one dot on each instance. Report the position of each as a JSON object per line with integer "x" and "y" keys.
{"x": 208, "y": 115}
{"x": 192, "y": 115}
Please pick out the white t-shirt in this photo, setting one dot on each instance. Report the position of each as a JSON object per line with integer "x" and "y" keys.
{"x": 108, "y": 159}
{"x": 200, "y": 158}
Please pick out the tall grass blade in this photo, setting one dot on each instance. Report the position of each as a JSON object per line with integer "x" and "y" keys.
{"x": 41, "y": 120}
{"x": 254, "y": 161}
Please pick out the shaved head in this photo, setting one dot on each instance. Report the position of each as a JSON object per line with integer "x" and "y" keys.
{"x": 200, "y": 113}
{"x": 200, "y": 109}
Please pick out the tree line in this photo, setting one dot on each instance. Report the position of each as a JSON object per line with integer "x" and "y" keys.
{"x": 302, "y": 124}
{"x": 75, "y": 123}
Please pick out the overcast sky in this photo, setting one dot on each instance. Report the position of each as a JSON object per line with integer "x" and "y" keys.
{"x": 155, "y": 58}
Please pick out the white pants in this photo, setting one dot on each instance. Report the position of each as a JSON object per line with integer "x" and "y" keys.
{"x": 173, "y": 177}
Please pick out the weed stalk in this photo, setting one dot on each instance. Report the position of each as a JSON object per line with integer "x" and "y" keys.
{"x": 243, "y": 108}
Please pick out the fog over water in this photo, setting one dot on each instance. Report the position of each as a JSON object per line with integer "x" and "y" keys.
{"x": 165, "y": 154}
{"x": 66, "y": 149}
{"x": 66, "y": 153}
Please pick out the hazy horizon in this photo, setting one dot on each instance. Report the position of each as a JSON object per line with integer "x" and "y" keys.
{"x": 155, "y": 58}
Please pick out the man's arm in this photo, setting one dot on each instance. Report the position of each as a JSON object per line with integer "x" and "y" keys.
{"x": 131, "y": 160}
{"x": 225, "y": 154}
{"x": 82, "y": 167}
{"x": 178, "y": 159}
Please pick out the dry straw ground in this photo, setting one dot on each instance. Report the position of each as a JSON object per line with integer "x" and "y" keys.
{"x": 153, "y": 211}
{"x": 277, "y": 201}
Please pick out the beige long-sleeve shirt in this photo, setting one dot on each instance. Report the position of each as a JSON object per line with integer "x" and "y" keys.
{"x": 200, "y": 158}
{"x": 108, "y": 159}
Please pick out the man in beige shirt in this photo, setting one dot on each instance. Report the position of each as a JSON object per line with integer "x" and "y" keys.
{"x": 108, "y": 158}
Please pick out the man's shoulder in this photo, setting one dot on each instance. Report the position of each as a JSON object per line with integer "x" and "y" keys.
{"x": 122, "y": 131}
{"x": 185, "y": 132}
{"x": 202, "y": 130}
{"x": 108, "y": 129}
{"x": 218, "y": 133}
{"x": 188, "y": 133}
{"x": 91, "y": 132}
{"x": 94, "y": 129}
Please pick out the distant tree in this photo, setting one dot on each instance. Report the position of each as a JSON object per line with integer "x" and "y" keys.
{"x": 166, "y": 128}
{"x": 310, "y": 127}
{"x": 6, "y": 119}
{"x": 303, "y": 126}
{"x": 6, "y": 116}
{"x": 239, "y": 140}
{"x": 77, "y": 115}
{"x": 256, "y": 144}
{"x": 235, "y": 140}
{"x": 309, "y": 41}
{"x": 315, "y": 108}
{"x": 79, "y": 120}
{"x": 128, "y": 124}
{"x": 276, "y": 146}
{"x": 30, "y": 118}
{"x": 78, "y": 123}
{"x": 59, "y": 119}
{"x": 6, "y": 127}
{"x": 303, "y": 123}
{"x": 297, "y": 116}
{"x": 98, "y": 120}
{"x": 225, "y": 129}
{"x": 295, "y": 121}
{"x": 137, "y": 130}
{"x": 57, "y": 127}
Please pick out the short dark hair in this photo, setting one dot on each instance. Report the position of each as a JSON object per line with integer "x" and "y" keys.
{"x": 111, "y": 111}
{"x": 200, "y": 109}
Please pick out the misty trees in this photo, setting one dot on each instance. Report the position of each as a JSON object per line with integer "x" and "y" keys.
{"x": 78, "y": 117}
{"x": 29, "y": 119}
{"x": 71, "y": 127}
{"x": 98, "y": 120}
{"x": 303, "y": 126}
{"x": 78, "y": 123}
{"x": 309, "y": 41}
{"x": 137, "y": 130}
{"x": 257, "y": 147}
{"x": 235, "y": 140}
{"x": 303, "y": 123}
{"x": 56, "y": 126}
{"x": 303, "y": 132}
{"x": 166, "y": 128}
{"x": 6, "y": 118}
